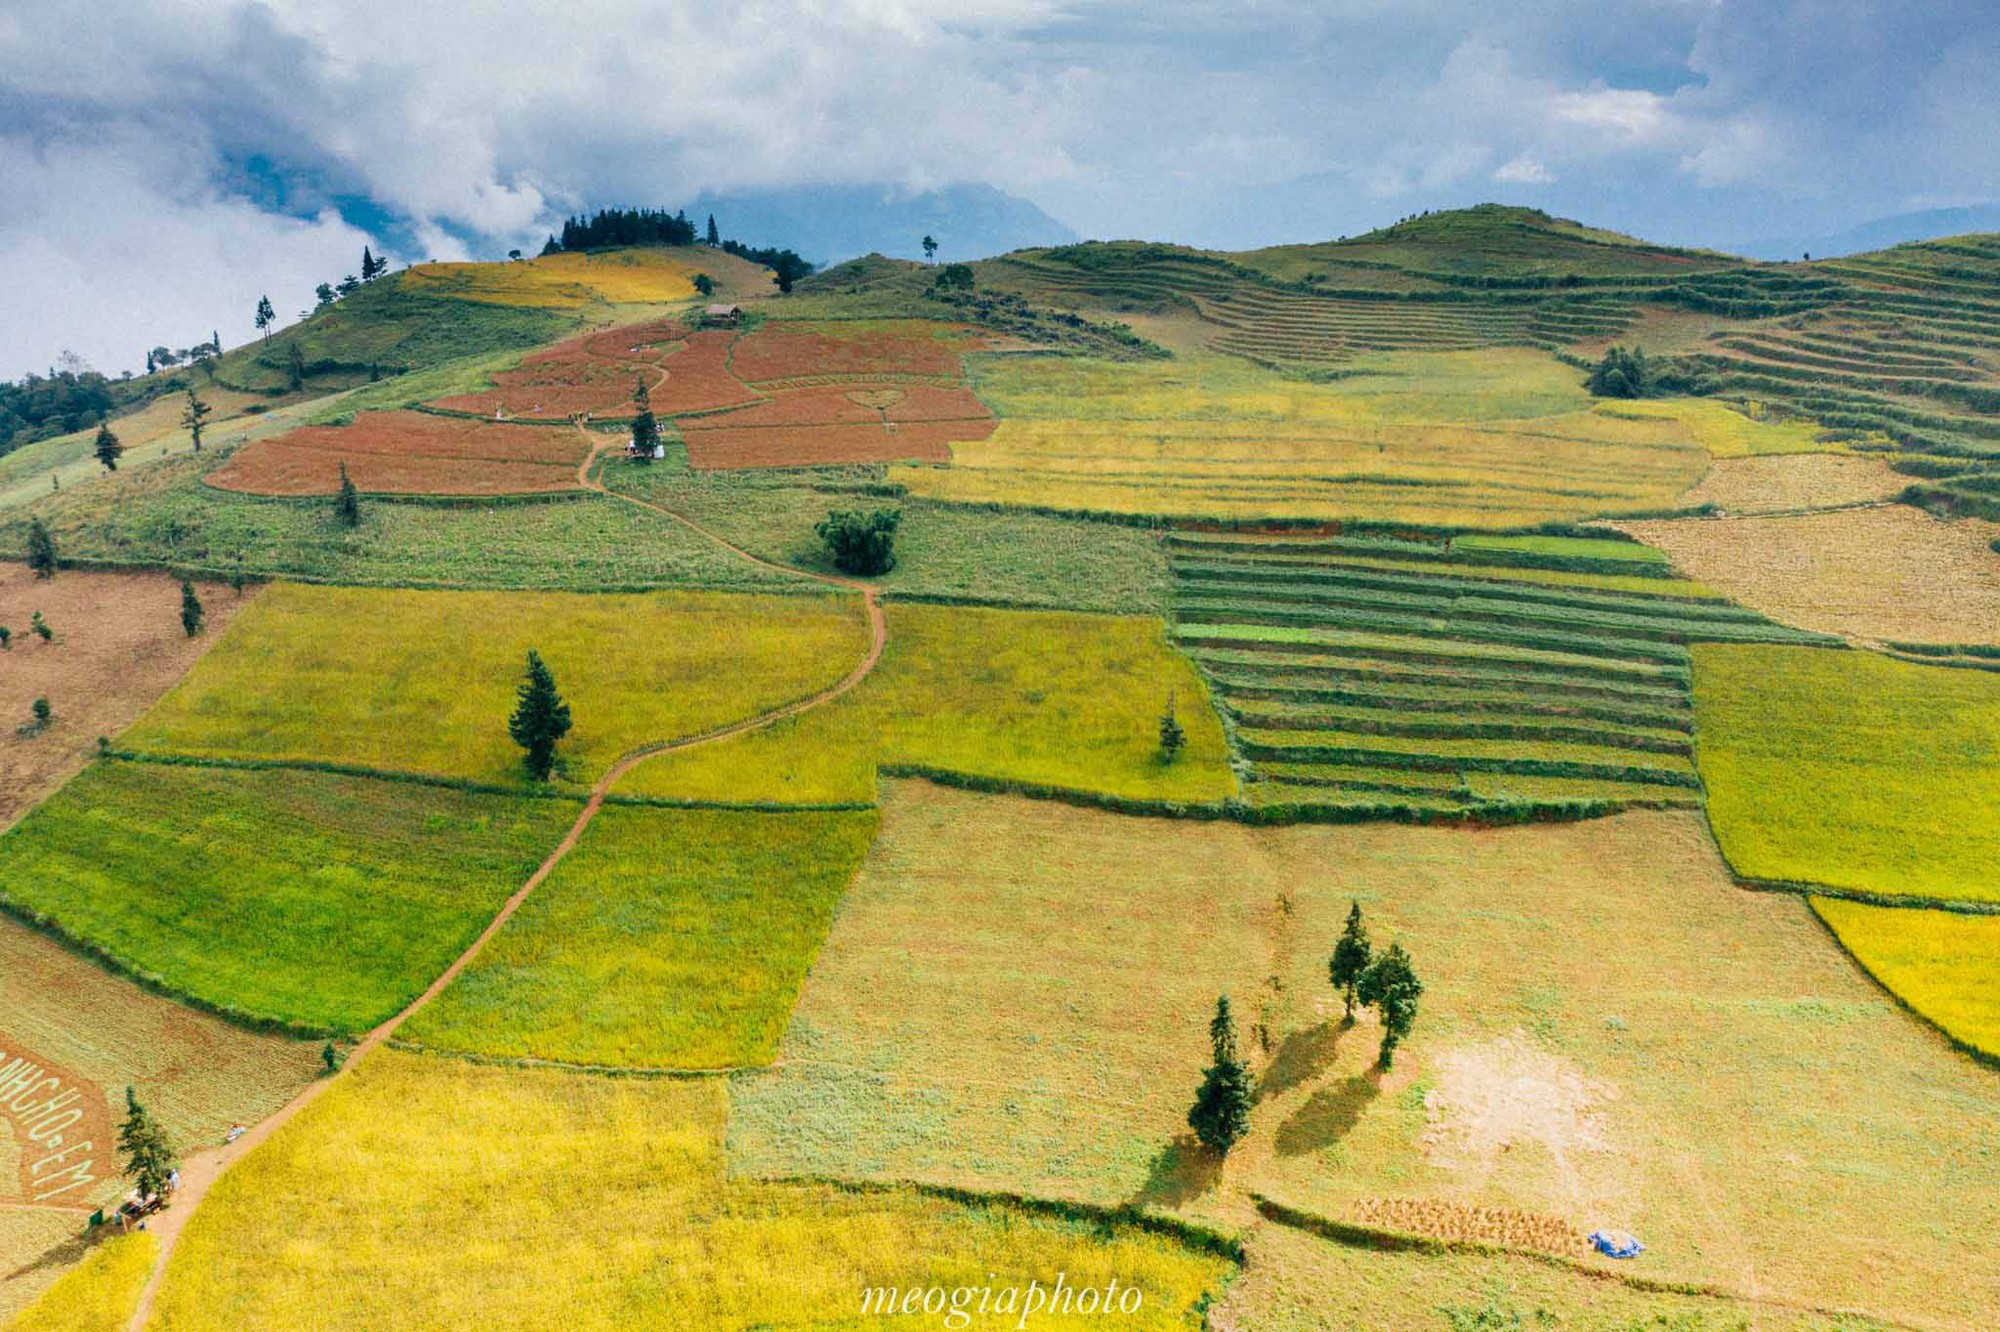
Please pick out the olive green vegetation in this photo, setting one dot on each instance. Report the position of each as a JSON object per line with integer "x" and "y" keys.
{"x": 320, "y": 901}
{"x": 1044, "y": 697}
{"x": 391, "y": 679}
{"x": 1568, "y": 547}
{"x": 383, "y": 330}
{"x": 943, "y": 551}
{"x": 1852, "y": 770}
{"x": 464, "y": 374}
{"x": 666, "y": 939}
{"x": 164, "y": 515}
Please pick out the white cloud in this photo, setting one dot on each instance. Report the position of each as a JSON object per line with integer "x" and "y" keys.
{"x": 1523, "y": 170}
{"x": 106, "y": 258}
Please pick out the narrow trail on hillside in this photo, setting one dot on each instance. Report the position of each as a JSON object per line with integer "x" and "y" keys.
{"x": 203, "y": 1168}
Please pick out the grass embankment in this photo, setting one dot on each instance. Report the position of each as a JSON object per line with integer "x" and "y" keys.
{"x": 99, "y": 1294}
{"x": 666, "y": 939}
{"x": 1496, "y": 439}
{"x": 165, "y": 515}
{"x": 327, "y": 902}
{"x": 1852, "y": 770}
{"x": 429, "y": 1192}
{"x": 424, "y": 681}
{"x": 1023, "y": 696}
{"x": 1460, "y": 676}
{"x": 1940, "y": 963}
{"x": 1612, "y": 1034}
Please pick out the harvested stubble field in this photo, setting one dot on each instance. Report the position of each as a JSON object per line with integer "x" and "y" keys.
{"x": 639, "y": 276}
{"x": 667, "y": 939}
{"x": 1490, "y": 439}
{"x": 598, "y": 374}
{"x": 1888, "y": 573}
{"x": 323, "y": 901}
{"x": 429, "y": 1192}
{"x": 1366, "y": 672}
{"x": 1940, "y": 963}
{"x": 1613, "y": 1035}
{"x": 1056, "y": 699}
{"x": 118, "y": 646}
{"x": 424, "y": 681}
{"x": 1852, "y": 770}
{"x": 410, "y": 453}
{"x": 99, "y": 1034}
{"x": 1791, "y": 482}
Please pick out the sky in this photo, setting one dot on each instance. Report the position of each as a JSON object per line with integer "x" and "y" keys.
{"x": 163, "y": 163}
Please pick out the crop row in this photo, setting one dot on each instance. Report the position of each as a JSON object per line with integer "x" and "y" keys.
{"x": 1548, "y": 701}
{"x": 1470, "y": 724}
{"x": 1424, "y": 648}
{"x": 1250, "y": 665}
{"x": 1451, "y": 625}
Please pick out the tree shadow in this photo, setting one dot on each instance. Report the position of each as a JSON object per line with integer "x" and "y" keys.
{"x": 1301, "y": 1057}
{"x": 1182, "y": 1172}
{"x": 64, "y": 1253}
{"x": 1328, "y": 1115}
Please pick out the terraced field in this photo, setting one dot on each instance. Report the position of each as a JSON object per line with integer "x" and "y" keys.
{"x": 1430, "y": 679}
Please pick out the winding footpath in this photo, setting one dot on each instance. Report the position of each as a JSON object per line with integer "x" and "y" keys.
{"x": 203, "y": 1168}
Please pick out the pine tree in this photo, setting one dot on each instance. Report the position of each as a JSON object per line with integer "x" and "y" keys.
{"x": 1351, "y": 957}
{"x": 1221, "y": 1113}
{"x": 1172, "y": 738}
{"x": 266, "y": 316}
{"x": 149, "y": 1157}
{"x": 108, "y": 448}
{"x": 41, "y": 549}
{"x": 540, "y": 718}
{"x": 1390, "y": 985}
{"x": 151, "y": 365}
{"x": 295, "y": 366}
{"x": 190, "y": 609}
{"x": 369, "y": 267}
{"x": 194, "y": 416}
{"x": 645, "y": 430}
{"x": 714, "y": 236}
{"x": 348, "y": 503}
{"x": 930, "y": 249}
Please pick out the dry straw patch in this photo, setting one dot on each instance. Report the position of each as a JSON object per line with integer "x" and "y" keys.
{"x": 1786, "y": 483}
{"x": 118, "y": 646}
{"x": 1888, "y": 573}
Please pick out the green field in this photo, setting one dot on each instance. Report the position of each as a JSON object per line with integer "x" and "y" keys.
{"x": 1340, "y": 659}
{"x": 1024, "y": 696}
{"x": 163, "y": 514}
{"x": 429, "y": 1192}
{"x": 667, "y": 939}
{"x": 326, "y": 902}
{"x": 944, "y": 551}
{"x": 424, "y": 681}
{"x": 1851, "y": 770}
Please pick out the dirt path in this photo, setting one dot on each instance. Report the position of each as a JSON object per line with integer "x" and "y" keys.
{"x": 201, "y": 1169}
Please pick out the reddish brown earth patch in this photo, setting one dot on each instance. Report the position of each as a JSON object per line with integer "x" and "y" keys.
{"x": 787, "y": 351}
{"x": 118, "y": 646}
{"x": 56, "y": 1126}
{"x": 413, "y": 453}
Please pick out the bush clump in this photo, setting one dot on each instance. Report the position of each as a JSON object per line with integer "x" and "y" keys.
{"x": 861, "y": 543}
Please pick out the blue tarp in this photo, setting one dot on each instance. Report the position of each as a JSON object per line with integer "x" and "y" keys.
{"x": 1616, "y": 1244}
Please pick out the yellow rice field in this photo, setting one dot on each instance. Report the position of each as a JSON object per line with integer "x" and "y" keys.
{"x": 1481, "y": 439}
{"x": 1941, "y": 963}
{"x": 562, "y": 281}
{"x": 431, "y": 1193}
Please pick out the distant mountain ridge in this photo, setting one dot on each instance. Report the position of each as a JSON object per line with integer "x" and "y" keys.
{"x": 1880, "y": 234}
{"x": 829, "y": 224}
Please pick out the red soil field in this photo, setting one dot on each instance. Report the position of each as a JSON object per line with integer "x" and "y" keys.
{"x": 698, "y": 377}
{"x": 847, "y": 404}
{"x": 407, "y": 453}
{"x": 788, "y": 351}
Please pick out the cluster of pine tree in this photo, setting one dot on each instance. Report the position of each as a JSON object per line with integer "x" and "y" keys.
{"x": 1623, "y": 373}
{"x": 626, "y": 226}
{"x": 1385, "y": 981}
{"x": 43, "y": 406}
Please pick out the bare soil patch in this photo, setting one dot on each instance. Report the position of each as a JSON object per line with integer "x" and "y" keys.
{"x": 790, "y": 350}
{"x": 1787, "y": 482}
{"x": 407, "y": 453}
{"x": 1885, "y": 573}
{"x": 118, "y": 646}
